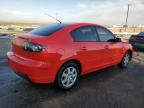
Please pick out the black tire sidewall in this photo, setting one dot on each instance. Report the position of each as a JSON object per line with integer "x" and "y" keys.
{"x": 122, "y": 62}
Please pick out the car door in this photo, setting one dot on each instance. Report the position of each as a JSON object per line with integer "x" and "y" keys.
{"x": 112, "y": 51}
{"x": 89, "y": 49}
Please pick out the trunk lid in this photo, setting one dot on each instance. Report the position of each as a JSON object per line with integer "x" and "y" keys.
{"x": 18, "y": 48}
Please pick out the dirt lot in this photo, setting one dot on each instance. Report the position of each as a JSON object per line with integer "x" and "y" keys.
{"x": 108, "y": 88}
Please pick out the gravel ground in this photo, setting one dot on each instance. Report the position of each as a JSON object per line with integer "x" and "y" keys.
{"x": 108, "y": 88}
{"x": 5, "y": 46}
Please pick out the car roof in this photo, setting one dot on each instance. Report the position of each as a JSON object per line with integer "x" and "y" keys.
{"x": 76, "y": 24}
{"x": 79, "y": 24}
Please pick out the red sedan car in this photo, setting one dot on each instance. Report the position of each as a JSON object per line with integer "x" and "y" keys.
{"x": 62, "y": 52}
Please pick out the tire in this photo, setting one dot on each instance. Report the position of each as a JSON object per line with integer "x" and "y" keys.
{"x": 68, "y": 76}
{"x": 125, "y": 61}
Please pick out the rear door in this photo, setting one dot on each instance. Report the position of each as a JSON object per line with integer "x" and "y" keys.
{"x": 112, "y": 51}
{"x": 89, "y": 49}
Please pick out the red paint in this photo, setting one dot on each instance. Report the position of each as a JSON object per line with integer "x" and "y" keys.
{"x": 42, "y": 67}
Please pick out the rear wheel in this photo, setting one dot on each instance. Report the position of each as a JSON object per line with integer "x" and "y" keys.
{"x": 125, "y": 61}
{"x": 67, "y": 76}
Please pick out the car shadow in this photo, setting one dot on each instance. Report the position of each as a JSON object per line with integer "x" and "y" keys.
{"x": 84, "y": 81}
{"x": 21, "y": 92}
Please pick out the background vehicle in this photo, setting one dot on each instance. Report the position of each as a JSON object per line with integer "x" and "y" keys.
{"x": 6, "y": 35}
{"x": 137, "y": 41}
{"x": 62, "y": 52}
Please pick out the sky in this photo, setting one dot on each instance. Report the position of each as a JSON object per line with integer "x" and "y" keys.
{"x": 108, "y": 12}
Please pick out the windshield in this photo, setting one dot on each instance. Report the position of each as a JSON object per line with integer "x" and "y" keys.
{"x": 47, "y": 30}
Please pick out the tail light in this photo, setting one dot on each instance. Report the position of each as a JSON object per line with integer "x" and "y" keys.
{"x": 32, "y": 47}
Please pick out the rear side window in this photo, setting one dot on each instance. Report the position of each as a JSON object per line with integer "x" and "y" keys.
{"x": 48, "y": 30}
{"x": 85, "y": 34}
{"x": 104, "y": 34}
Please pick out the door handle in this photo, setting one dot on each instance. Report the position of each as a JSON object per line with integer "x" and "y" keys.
{"x": 83, "y": 48}
{"x": 106, "y": 47}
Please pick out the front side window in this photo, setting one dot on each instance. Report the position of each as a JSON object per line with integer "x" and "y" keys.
{"x": 104, "y": 35}
{"x": 85, "y": 34}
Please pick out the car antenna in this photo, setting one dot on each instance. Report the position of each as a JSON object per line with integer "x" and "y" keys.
{"x": 53, "y": 17}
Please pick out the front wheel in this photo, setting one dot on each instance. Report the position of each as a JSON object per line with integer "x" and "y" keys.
{"x": 67, "y": 76}
{"x": 125, "y": 61}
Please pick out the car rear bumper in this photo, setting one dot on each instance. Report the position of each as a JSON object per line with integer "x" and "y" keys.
{"x": 36, "y": 71}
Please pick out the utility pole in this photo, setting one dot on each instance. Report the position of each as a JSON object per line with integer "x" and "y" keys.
{"x": 127, "y": 17}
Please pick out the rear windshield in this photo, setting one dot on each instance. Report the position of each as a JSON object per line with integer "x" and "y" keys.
{"x": 48, "y": 30}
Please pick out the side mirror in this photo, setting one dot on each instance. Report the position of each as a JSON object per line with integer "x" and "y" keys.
{"x": 118, "y": 40}
{"x": 115, "y": 40}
